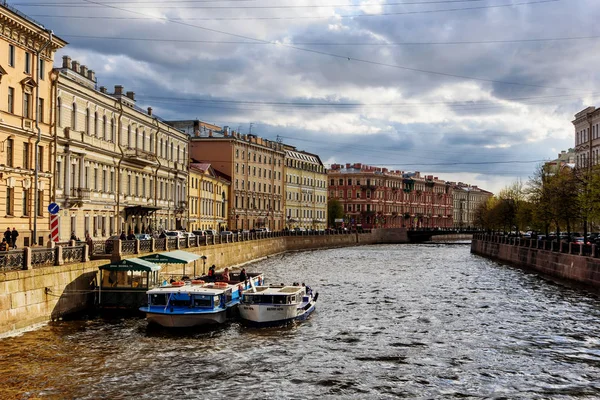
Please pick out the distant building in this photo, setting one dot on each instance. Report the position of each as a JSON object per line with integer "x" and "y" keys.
{"x": 255, "y": 166}
{"x": 466, "y": 199}
{"x": 305, "y": 190}
{"x": 208, "y": 198}
{"x": 587, "y": 137}
{"x": 564, "y": 159}
{"x": 375, "y": 197}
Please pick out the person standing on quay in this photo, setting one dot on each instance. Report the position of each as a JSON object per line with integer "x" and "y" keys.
{"x": 8, "y": 237}
{"x": 14, "y": 235}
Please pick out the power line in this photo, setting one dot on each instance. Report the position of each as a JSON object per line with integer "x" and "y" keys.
{"x": 572, "y": 38}
{"x": 297, "y": 17}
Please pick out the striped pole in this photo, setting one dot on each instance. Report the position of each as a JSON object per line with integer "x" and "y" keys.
{"x": 54, "y": 227}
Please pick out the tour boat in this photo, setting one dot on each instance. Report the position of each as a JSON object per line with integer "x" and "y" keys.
{"x": 194, "y": 303}
{"x": 277, "y": 304}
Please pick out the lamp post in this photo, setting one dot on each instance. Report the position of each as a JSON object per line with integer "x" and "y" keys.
{"x": 203, "y": 265}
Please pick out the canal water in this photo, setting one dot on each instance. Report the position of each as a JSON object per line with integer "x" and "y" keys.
{"x": 398, "y": 321}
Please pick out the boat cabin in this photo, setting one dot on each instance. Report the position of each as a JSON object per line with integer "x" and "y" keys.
{"x": 274, "y": 295}
{"x": 123, "y": 284}
{"x": 190, "y": 297}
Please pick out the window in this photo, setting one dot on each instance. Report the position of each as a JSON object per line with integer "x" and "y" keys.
{"x": 74, "y": 117}
{"x": 9, "y": 152}
{"x": 27, "y": 63}
{"x": 26, "y": 155}
{"x": 104, "y": 131}
{"x": 95, "y": 125}
{"x": 40, "y": 157}
{"x": 11, "y": 100}
{"x": 87, "y": 121}
{"x": 58, "y": 112}
{"x": 59, "y": 179}
{"x": 25, "y": 202}
{"x": 95, "y": 178}
{"x": 9, "y": 201}
{"x": 40, "y": 204}
{"x": 42, "y": 69}
{"x": 27, "y": 105}
{"x": 151, "y": 143}
{"x": 41, "y": 110}
{"x": 11, "y": 55}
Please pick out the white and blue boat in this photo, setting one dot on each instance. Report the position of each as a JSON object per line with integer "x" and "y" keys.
{"x": 194, "y": 303}
{"x": 272, "y": 305}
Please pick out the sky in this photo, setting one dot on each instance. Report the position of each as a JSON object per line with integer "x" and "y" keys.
{"x": 476, "y": 91}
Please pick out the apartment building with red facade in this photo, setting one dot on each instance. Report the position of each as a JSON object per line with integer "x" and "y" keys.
{"x": 375, "y": 197}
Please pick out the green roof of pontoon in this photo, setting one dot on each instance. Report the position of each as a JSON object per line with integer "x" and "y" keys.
{"x": 172, "y": 257}
{"x": 131, "y": 264}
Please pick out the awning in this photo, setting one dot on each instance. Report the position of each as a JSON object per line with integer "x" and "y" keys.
{"x": 131, "y": 264}
{"x": 142, "y": 211}
{"x": 172, "y": 257}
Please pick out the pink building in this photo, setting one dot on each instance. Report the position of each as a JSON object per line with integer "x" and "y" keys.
{"x": 375, "y": 197}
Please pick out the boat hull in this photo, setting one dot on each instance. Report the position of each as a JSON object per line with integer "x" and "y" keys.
{"x": 273, "y": 315}
{"x": 186, "y": 320}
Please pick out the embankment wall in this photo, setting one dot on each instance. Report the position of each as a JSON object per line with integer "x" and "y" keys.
{"x": 570, "y": 267}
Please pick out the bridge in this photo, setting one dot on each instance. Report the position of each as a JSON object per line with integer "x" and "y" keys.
{"x": 425, "y": 235}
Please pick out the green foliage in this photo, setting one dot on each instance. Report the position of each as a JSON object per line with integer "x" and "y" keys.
{"x": 335, "y": 210}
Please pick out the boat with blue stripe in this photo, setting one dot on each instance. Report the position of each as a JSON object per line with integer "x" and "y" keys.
{"x": 277, "y": 304}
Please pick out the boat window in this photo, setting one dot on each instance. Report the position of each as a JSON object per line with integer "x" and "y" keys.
{"x": 159, "y": 299}
{"x": 180, "y": 299}
{"x": 203, "y": 301}
{"x": 279, "y": 299}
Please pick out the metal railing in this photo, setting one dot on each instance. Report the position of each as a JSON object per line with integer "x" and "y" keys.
{"x": 578, "y": 249}
{"x": 73, "y": 254}
{"x": 42, "y": 257}
{"x": 12, "y": 260}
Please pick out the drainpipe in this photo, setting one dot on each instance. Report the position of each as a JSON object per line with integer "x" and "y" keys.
{"x": 39, "y": 134}
{"x": 54, "y": 97}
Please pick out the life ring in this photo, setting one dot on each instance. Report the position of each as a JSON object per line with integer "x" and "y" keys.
{"x": 198, "y": 282}
{"x": 178, "y": 283}
{"x": 221, "y": 284}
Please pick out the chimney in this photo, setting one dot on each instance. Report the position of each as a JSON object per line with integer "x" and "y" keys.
{"x": 91, "y": 75}
{"x": 75, "y": 66}
{"x": 102, "y": 89}
{"x": 83, "y": 70}
{"x": 197, "y": 133}
{"x": 210, "y": 133}
{"x": 150, "y": 111}
{"x": 66, "y": 61}
{"x": 245, "y": 137}
{"x": 118, "y": 89}
{"x": 131, "y": 95}
{"x": 225, "y": 134}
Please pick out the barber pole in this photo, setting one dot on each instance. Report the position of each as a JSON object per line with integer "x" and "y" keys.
{"x": 54, "y": 227}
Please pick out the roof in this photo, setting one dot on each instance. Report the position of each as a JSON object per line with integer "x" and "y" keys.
{"x": 171, "y": 257}
{"x": 131, "y": 264}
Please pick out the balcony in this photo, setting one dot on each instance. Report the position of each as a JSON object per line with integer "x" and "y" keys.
{"x": 140, "y": 157}
{"x": 80, "y": 195}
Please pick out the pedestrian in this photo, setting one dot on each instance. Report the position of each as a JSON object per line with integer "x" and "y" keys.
{"x": 131, "y": 236}
{"x": 73, "y": 237}
{"x": 14, "y": 235}
{"x": 243, "y": 275}
{"x": 8, "y": 236}
{"x": 4, "y": 245}
{"x": 123, "y": 236}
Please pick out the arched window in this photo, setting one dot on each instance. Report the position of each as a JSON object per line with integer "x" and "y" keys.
{"x": 58, "y": 111}
{"x": 74, "y": 117}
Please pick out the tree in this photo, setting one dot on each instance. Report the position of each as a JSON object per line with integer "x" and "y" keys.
{"x": 335, "y": 210}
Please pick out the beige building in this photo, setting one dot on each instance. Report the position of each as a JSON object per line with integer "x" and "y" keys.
{"x": 305, "y": 190}
{"x": 118, "y": 168}
{"x": 587, "y": 137}
{"x": 27, "y": 53}
{"x": 208, "y": 198}
{"x": 255, "y": 166}
{"x": 466, "y": 200}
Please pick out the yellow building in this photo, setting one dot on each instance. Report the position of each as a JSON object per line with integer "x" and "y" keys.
{"x": 305, "y": 190}
{"x": 208, "y": 198}
{"x": 118, "y": 168}
{"x": 27, "y": 54}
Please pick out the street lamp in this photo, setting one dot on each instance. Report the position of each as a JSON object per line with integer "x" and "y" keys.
{"x": 203, "y": 265}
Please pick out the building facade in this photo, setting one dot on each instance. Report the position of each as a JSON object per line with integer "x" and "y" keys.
{"x": 208, "y": 198}
{"x": 305, "y": 190}
{"x": 27, "y": 52}
{"x": 466, "y": 200}
{"x": 255, "y": 166}
{"x": 375, "y": 197}
{"x": 117, "y": 167}
{"x": 587, "y": 137}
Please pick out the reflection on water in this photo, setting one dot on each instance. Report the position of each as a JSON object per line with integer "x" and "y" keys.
{"x": 413, "y": 321}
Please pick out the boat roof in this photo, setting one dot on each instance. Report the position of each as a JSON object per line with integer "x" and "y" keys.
{"x": 276, "y": 290}
{"x": 191, "y": 289}
{"x": 172, "y": 257}
{"x": 131, "y": 264}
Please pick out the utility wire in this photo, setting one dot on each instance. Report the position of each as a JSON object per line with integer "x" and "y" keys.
{"x": 299, "y": 17}
{"x": 572, "y": 38}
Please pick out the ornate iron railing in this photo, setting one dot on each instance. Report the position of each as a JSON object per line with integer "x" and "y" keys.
{"x": 72, "y": 254}
{"x": 182, "y": 242}
{"x": 99, "y": 247}
{"x": 128, "y": 246}
{"x": 43, "y": 257}
{"x": 160, "y": 244}
{"x": 12, "y": 260}
{"x": 172, "y": 243}
{"x": 145, "y": 246}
